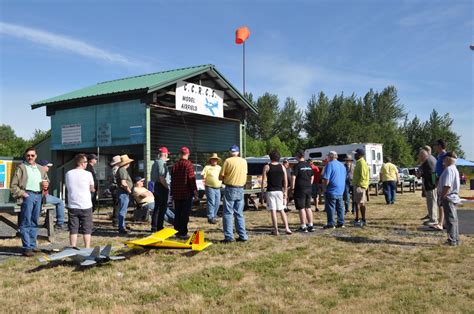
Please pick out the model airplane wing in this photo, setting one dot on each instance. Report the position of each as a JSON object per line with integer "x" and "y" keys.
{"x": 61, "y": 255}
{"x": 88, "y": 262}
{"x": 156, "y": 237}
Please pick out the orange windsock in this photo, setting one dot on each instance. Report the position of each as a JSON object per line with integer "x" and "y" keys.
{"x": 241, "y": 35}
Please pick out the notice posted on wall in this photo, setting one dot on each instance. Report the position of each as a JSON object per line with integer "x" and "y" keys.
{"x": 199, "y": 99}
{"x": 71, "y": 134}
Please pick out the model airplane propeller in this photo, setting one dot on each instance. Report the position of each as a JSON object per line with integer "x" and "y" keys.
{"x": 84, "y": 257}
{"x": 159, "y": 240}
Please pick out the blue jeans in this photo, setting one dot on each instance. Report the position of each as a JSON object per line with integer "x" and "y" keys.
{"x": 234, "y": 206}
{"x": 123, "y": 199}
{"x": 347, "y": 197}
{"x": 29, "y": 217}
{"x": 333, "y": 204}
{"x": 213, "y": 198}
{"x": 390, "y": 190}
{"x": 169, "y": 215}
{"x": 51, "y": 199}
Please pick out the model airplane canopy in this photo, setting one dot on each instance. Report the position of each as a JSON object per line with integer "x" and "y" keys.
{"x": 159, "y": 240}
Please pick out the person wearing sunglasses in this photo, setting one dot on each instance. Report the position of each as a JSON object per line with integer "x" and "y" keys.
{"x": 27, "y": 184}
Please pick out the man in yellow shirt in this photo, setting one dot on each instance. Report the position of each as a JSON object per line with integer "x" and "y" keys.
{"x": 234, "y": 176}
{"x": 390, "y": 177}
{"x": 360, "y": 181}
{"x": 213, "y": 187}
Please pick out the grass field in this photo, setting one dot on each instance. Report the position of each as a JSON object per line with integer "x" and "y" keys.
{"x": 392, "y": 265}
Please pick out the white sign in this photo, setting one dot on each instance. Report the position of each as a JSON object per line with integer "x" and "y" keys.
{"x": 71, "y": 134}
{"x": 199, "y": 99}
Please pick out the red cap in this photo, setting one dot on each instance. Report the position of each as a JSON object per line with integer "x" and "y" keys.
{"x": 164, "y": 150}
{"x": 184, "y": 150}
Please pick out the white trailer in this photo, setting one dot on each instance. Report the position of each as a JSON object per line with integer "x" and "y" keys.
{"x": 373, "y": 154}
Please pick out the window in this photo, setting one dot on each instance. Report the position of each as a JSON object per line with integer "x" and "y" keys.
{"x": 379, "y": 157}
{"x": 373, "y": 154}
{"x": 315, "y": 155}
{"x": 374, "y": 169}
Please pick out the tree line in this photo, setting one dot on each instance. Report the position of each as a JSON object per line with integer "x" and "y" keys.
{"x": 378, "y": 117}
{"x": 12, "y": 145}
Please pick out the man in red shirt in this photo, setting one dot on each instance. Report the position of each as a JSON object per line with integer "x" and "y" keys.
{"x": 316, "y": 188}
{"x": 183, "y": 188}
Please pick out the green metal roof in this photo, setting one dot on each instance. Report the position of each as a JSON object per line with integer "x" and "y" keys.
{"x": 145, "y": 83}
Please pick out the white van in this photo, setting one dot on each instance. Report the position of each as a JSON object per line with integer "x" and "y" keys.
{"x": 373, "y": 154}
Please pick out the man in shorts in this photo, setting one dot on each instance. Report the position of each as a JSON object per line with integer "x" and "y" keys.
{"x": 301, "y": 183}
{"x": 80, "y": 185}
{"x": 360, "y": 182}
{"x": 275, "y": 186}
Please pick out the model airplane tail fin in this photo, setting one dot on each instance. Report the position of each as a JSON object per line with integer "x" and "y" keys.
{"x": 96, "y": 252}
{"x": 197, "y": 241}
{"x": 106, "y": 251}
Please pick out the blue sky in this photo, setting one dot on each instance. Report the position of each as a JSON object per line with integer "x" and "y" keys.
{"x": 296, "y": 48}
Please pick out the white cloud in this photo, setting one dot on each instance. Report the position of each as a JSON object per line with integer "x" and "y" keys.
{"x": 432, "y": 16}
{"x": 65, "y": 43}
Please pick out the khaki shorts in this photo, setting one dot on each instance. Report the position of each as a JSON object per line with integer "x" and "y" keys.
{"x": 360, "y": 196}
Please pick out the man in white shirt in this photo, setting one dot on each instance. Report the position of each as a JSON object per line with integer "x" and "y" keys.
{"x": 79, "y": 185}
{"x": 448, "y": 196}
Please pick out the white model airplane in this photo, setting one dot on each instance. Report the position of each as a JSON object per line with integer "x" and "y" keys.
{"x": 84, "y": 257}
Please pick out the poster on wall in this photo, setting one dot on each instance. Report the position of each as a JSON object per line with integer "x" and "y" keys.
{"x": 199, "y": 99}
{"x": 7, "y": 168}
{"x": 71, "y": 134}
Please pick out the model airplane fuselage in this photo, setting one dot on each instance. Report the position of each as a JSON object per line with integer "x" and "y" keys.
{"x": 84, "y": 257}
{"x": 159, "y": 240}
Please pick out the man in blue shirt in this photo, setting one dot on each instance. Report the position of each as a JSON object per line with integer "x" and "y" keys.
{"x": 334, "y": 178}
{"x": 440, "y": 147}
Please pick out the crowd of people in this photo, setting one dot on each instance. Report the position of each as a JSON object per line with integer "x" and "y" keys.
{"x": 343, "y": 185}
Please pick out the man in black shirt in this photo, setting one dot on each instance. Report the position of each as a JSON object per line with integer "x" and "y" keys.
{"x": 427, "y": 169}
{"x": 91, "y": 162}
{"x": 301, "y": 183}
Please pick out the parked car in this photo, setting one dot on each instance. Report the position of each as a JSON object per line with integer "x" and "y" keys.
{"x": 405, "y": 176}
{"x": 413, "y": 172}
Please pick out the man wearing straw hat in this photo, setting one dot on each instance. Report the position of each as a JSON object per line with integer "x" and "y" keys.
{"x": 213, "y": 187}
{"x": 125, "y": 185}
{"x": 114, "y": 188}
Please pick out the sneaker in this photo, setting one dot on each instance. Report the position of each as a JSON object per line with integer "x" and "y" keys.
{"x": 227, "y": 241}
{"x": 426, "y": 217}
{"x": 123, "y": 232}
{"x": 36, "y": 250}
{"x": 363, "y": 223}
{"x": 449, "y": 243}
{"x": 60, "y": 228}
{"x": 340, "y": 226}
{"x": 212, "y": 221}
{"x": 239, "y": 239}
{"x": 329, "y": 227}
{"x": 28, "y": 253}
{"x": 302, "y": 229}
{"x": 310, "y": 228}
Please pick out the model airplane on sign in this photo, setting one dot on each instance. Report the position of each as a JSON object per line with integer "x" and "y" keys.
{"x": 159, "y": 240}
{"x": 84, "y": 257}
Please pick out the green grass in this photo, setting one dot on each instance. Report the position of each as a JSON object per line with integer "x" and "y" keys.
{"x": 391, "y": 266}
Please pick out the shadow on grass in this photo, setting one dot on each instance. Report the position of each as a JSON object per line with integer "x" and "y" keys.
{"x": 367, "y": 240}
{"x": 11, "y": 251}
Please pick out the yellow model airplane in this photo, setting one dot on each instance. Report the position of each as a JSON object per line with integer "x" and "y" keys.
{"x": 159, "y": 240}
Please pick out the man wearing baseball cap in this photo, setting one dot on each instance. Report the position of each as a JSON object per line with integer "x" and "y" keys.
{"x": 234, "y": 176}
{"x": 183, "y": 188}
{"x": 360, "y": 182}
{"x": 159, "y": 177}
{"x": 91, "y": 162}
{"x": 56, "y": 201}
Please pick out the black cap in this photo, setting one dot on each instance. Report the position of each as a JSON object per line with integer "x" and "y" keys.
{"x": 138, "y": 178}
{"x": 360, "y": 151}
{"x": 300, "y": 154}
{"x": 91, "y": 157}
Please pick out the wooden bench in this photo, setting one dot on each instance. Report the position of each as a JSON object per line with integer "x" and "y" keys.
{"x": 8, "y": 206}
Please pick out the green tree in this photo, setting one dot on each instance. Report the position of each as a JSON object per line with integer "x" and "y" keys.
{"x": 290, "y": 124}
{"x": 10, "y": 144}
{"x": 316, "y": 120}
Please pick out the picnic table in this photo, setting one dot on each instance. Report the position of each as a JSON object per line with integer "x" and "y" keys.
{"x": 9, "y": 206}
